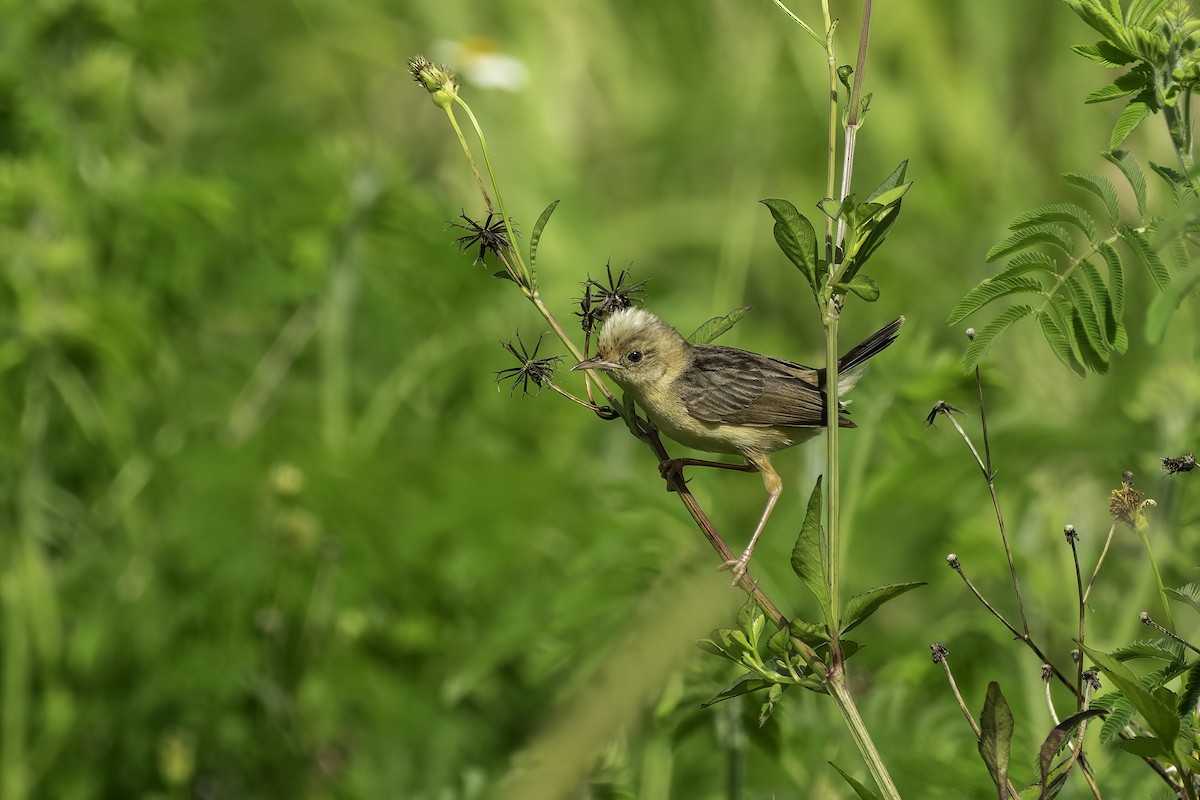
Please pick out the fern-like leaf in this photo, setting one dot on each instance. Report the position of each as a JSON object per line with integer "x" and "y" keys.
{"x": 1141, "y": 245}
{"x": 1092, "y": 322}
{"x": 1025, "y": 238}
{"x": 1104, "y": 306}
{"x": 989, "y": 290}
{"x": 1120, "y": 712}
{"x": 984, "y": 338}
{"x": 1135, "y": 111}
{"x": 1133, "y": 173}
{"x": 1067, "y": 213}
{"x": 1116, "y": 279}
{"x": 1162, "y": 649}
{"x": 1191, "y": 692}
{"x": 1059, "y": 343}
{"x": 1094, "y": 359}
{"x": 1101, "y": 187}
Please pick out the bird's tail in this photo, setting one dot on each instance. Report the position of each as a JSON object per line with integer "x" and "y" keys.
{"x": 850, "y": 366}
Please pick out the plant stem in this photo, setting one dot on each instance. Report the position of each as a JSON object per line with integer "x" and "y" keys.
{"x": 1162, "y": 591}
{"x": 1082, "y": 612}
{"x": 462, "y": 140}
{"x": 833, "y": 557}
{"x": 836, "y": 683}
{"x": 1112, "y": 528}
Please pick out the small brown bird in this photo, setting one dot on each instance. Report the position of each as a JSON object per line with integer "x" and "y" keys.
{"x": 724, "y": 400}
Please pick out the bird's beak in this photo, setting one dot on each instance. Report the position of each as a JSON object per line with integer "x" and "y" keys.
{"x": 595, "y": 362}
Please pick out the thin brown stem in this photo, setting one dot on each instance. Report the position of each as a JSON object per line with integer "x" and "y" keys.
{"x": 1100, "y": 561}
{"x": 987, "y": 445}
{"x": 1079, "y": 689}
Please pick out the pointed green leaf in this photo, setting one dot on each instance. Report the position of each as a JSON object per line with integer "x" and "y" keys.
{"x": 744, "y": 685}
{"x": 1068, "y": 213}
{"x": 995, "y": 738}
{"x": 1133, "y": 173}
{"x": 806, "y": 555}
{"x": 1025, "y": 238}
{"x": 984, "y": 338}
{"x": 1163, "y": 307}
{"x": 780, "y": 642}
{"x": 768, "y": 706}
{"x": 1135, "y": 111}
{"x": 796, "y": 238}
{"x": 717, "y": 326}
{"x": 989, "y": 290}
{"x": 1101, "y": 187}
{"x": 1160, "y": 717}
{"x": 1056, "y": 337}
{"x": 862, "y": 791}
{"x": 1138, "y": 242}
{"x": 890, "y": 182}
{"x": 863, "y": 605}
{"x": 1144, "y": 746}
{"x": 1161, "y": 649}
{"x": 1112, "y": 91}
{"x": 1121, "y": 340}
{"x": 535, "y": 237}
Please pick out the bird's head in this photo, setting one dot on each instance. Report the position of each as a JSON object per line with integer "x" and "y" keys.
{"x": 638, "y": 350}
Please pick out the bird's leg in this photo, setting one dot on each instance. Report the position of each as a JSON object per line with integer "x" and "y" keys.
{"x": 774, "y": 487}
{"x": 674, "y": 467}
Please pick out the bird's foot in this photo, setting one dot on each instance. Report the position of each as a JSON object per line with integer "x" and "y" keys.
{"x": 737, "y": 568}
{"x": 672, "y": 468}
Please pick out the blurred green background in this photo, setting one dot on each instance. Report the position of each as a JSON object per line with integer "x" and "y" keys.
{"x": 268, "y": 528}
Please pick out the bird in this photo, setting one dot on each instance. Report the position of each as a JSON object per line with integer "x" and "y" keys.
{"x": 722, "y": 399}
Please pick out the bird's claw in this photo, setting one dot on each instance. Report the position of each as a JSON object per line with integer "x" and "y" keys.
{"x": 737, "y": 567}
{"x": 672, "y": 468}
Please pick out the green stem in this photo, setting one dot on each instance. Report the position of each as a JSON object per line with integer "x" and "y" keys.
{"x": 858, "y": 731}
{"x": 462, "y": 140}
{"x": 831, "y": 146}
{"x": 807, "y": 28}
{"x": 833, "y": 485}
{"x": 1162, "y": 591}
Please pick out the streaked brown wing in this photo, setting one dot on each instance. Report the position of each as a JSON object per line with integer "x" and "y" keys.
{"x": 738, "y": 387}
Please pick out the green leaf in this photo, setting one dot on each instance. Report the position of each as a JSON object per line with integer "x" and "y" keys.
{"x": 1135, "y": 111}
{"x": 862, "y": 286}
{"x": 1058, "y": 737}
{"x": 1120, "y": 713}
{"x": 768, "y": 706}
{"x": 1121, "y": 340}
{"x": 1191, "y": 692}
{"x": 806, "y": 555}
{"x": 1144, "y": 746}
{"x": 1025, "y": 238}
{"x": 1116, "y": 279}
{"x": 780, "y": 642}
{"x": 1099, "y": 18}
{"x": 890, "y": 182}
{"x": 1093, "y": 359}
{"x": 1160, "y": 717}
{"x": 715, "y": 327}
{"x": 1141, "y": 245}
{"x": 984, "y": 338}
{"x": 1161, "y": 649}
{"x": 796, "y": 238}
{"x": 995, "y": 738}
{"x": 535, "y": 237}
{"x": 744, "y": 685}
{"x": 833, "y": 208}
{"x": 751, "y": 620}
{"x": 863, "y": 605}
{"x": 862, "y": 791}
{"x": 1100, "y": 186}
{"x": 874, "y": 237}
{"x": 1104, "y": 305}
{"x": 1189, "y": 594}
{"x": 1068, "y": 213}
{"x": 1059, "y": 343}
{"x": 811, "y": 633}
{"x": 1133, "y": 173}
{"x": 1104, "y": 53}
{"x": 1092, "y": 323}
{"x": 1163, "y": 307}
{"x": 989, "y": 290}
{"x": 1022, "y": 263}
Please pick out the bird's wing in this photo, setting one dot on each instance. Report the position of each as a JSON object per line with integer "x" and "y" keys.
{"x": 737, "y": 387}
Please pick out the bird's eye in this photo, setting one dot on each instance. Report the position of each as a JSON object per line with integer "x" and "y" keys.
{"x": 634, "y": 356}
